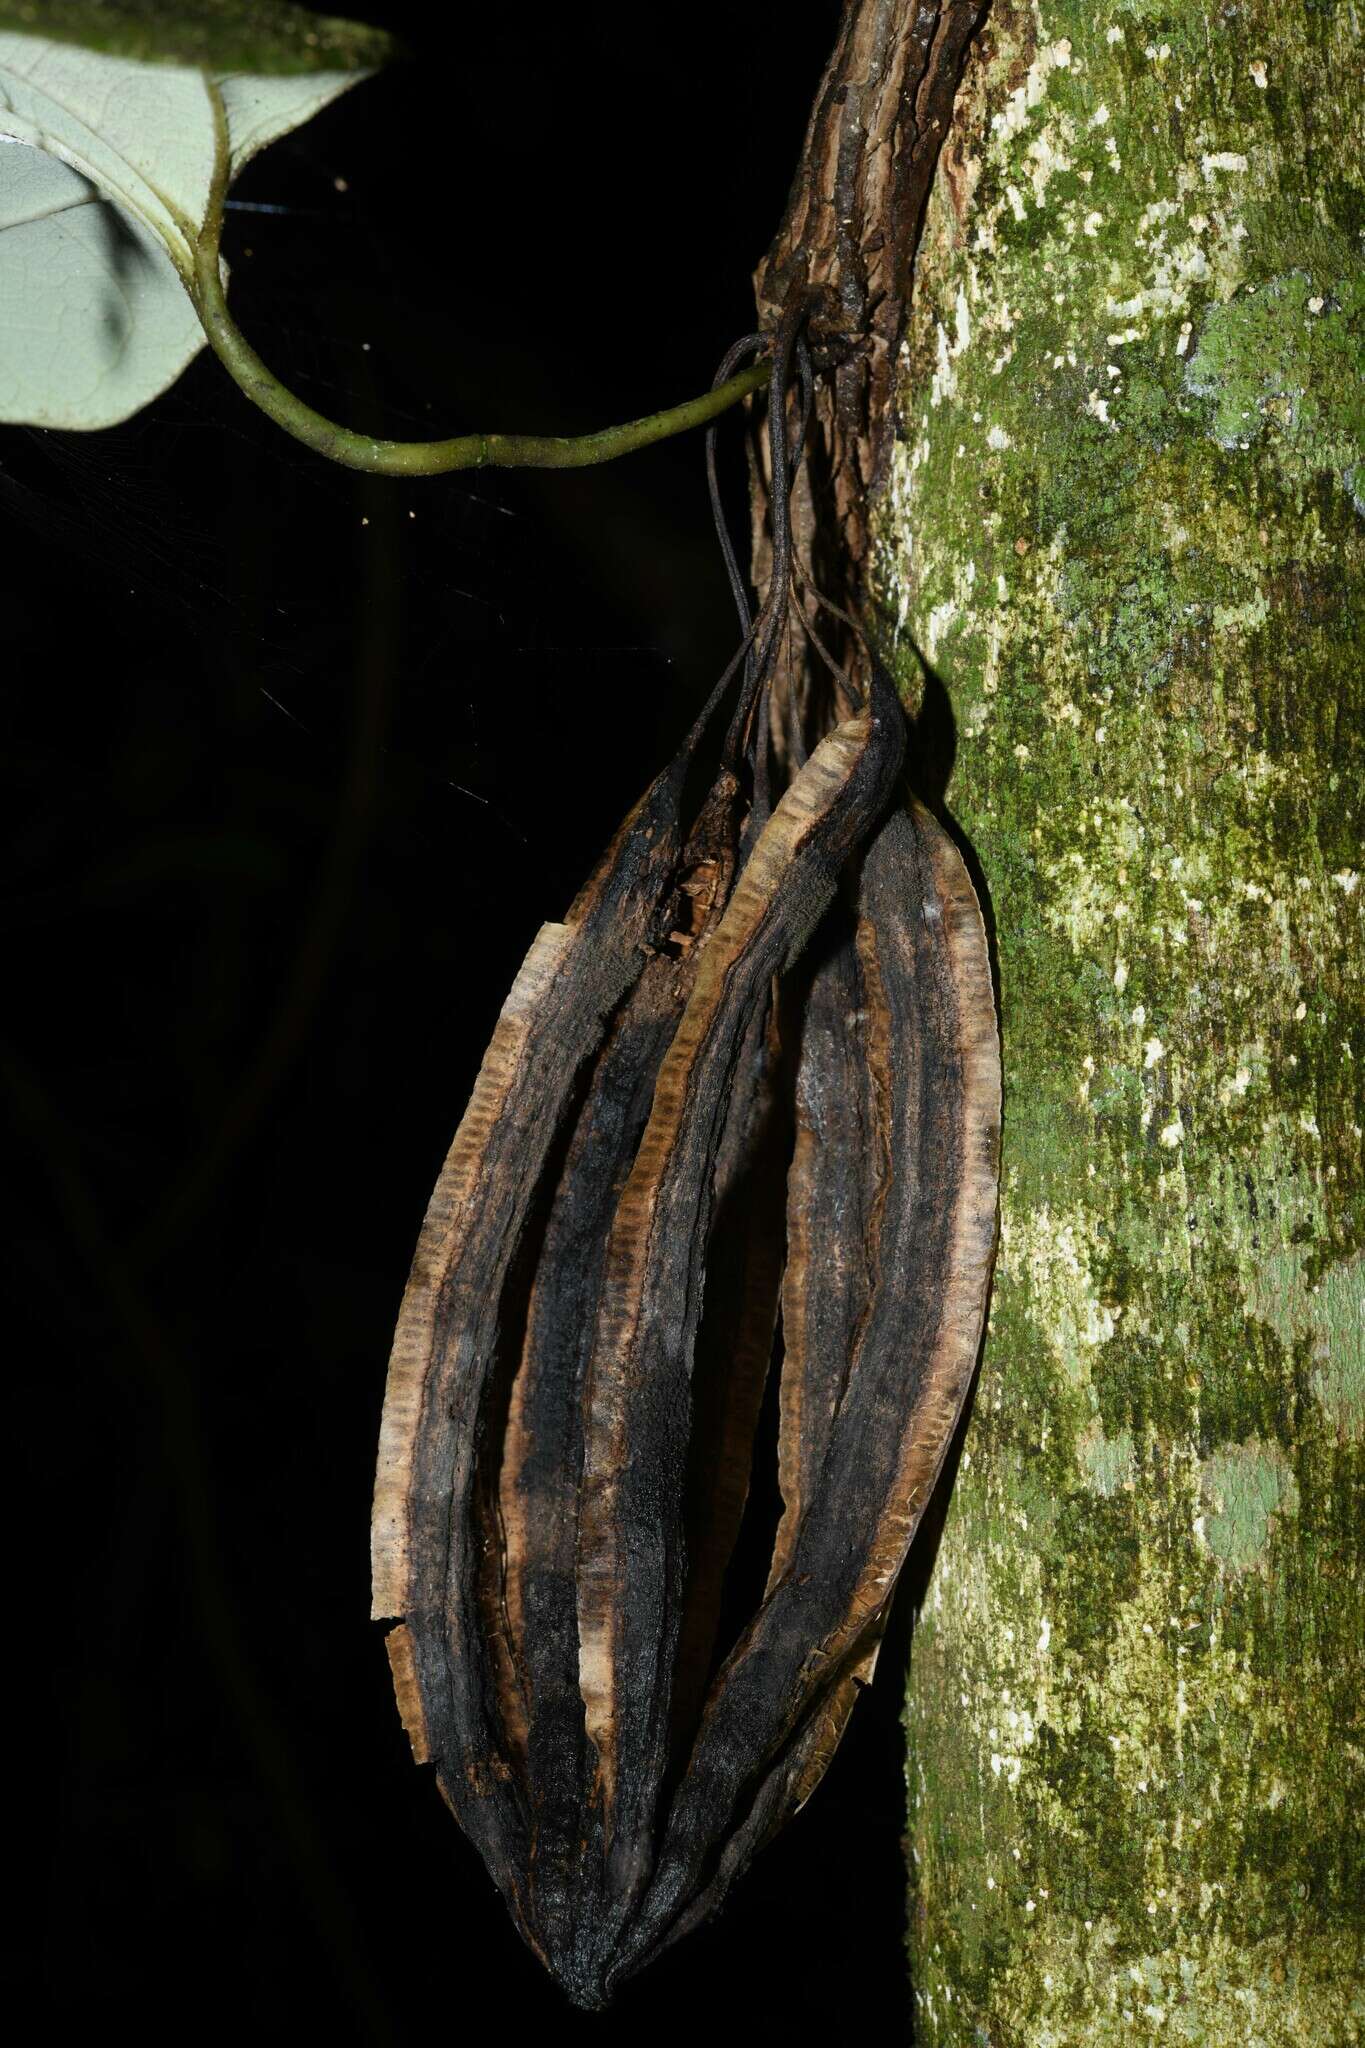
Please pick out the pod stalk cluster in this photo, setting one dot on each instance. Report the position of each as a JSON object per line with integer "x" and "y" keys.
{"x": 739, "y": 1119}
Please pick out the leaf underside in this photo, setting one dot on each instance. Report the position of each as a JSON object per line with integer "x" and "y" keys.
{"x": 108, "y": 157}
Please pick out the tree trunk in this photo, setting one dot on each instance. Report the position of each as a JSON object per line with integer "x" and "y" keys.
{"x": 1124, "y": 527}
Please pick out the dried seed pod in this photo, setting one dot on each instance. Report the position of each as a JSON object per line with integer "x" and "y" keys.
{"x": 571, "y": 1413}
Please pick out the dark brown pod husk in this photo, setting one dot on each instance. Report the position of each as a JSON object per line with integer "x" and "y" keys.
{"x": 751, "y": 1081}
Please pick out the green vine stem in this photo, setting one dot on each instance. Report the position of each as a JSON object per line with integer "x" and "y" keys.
{"x": 412, "y": 458}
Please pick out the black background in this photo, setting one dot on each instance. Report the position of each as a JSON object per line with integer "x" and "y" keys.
{"x": 296, "y": 764}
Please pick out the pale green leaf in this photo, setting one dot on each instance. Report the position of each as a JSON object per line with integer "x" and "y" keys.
{"x": 94, "y": 321}
{"x": 107, "y": 165}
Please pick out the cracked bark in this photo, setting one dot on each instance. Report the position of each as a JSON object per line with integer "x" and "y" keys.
{"x": 847, "y": 243}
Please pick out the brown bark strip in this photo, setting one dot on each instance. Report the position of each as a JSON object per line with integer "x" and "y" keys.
{"x": 848, "y": 237}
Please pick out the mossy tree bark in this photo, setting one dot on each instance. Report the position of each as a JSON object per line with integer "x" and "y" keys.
{"x": 1125, "y": 529}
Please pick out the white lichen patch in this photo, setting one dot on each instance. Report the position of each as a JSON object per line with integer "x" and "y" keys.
{"x": 1048, "y": 154}
{"x": 1180, "y": 246}
{"x": 1091, "y": 895}
{"x": 1051, "y": 1256}
{"x": 1222, "y": 160}
{"x": 962, "y": 323}
{"x": 1167, "y": 286}
{"x": 937, "y": 624}
{"x": 1013, "y": 116}
{"x": 1250, "y": 1065}
{"x": 952, "y": 609}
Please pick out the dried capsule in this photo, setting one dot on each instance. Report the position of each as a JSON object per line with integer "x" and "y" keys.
{"x": 675, "y": 1144}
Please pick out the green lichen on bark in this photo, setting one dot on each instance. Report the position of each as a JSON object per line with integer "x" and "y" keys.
{"x": 1125, "y": 528}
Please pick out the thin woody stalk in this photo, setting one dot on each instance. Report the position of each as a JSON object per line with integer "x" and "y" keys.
{"x": 380, "y": 457}
{"x": 847, "y": 242}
